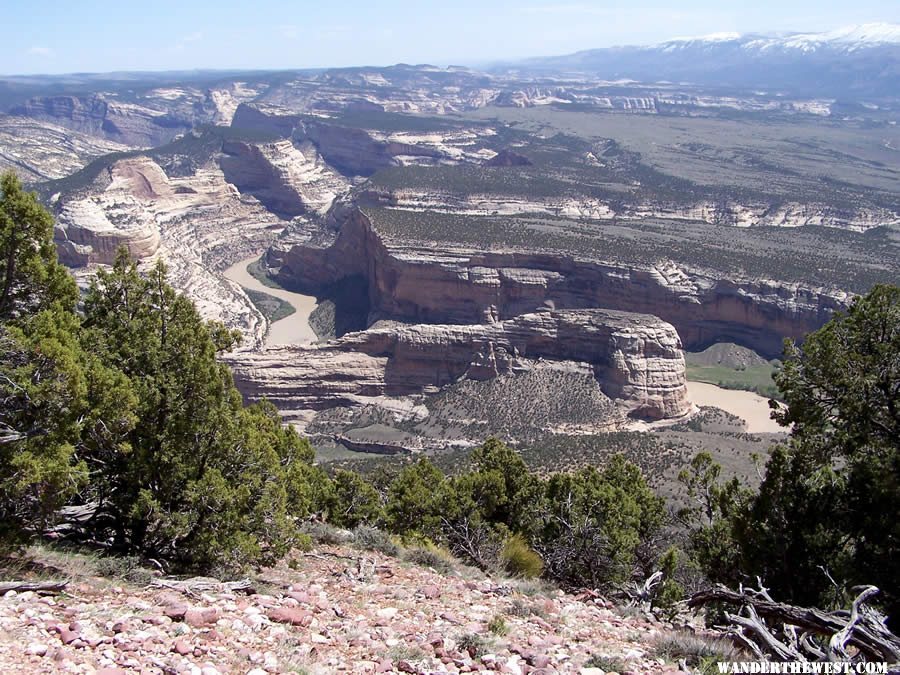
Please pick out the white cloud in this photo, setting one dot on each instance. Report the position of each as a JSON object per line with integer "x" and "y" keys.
{"x": 40, "y": 51}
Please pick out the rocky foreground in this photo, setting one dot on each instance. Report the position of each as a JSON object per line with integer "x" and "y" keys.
{"x": 332, "y": 610}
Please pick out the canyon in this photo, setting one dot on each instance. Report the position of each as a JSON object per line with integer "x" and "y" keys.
{"x": 452, "y": 239}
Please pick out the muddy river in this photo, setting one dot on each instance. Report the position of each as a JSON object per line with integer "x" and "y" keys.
{"x": 293, "y": 329}
{"x": 749, "y": 406}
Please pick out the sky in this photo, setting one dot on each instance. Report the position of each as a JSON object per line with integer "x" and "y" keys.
{"x": 64, "y": 36}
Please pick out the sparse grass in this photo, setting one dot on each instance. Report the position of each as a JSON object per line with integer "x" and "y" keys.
{"x": 534, "y": 587}
{"x": 473, "y": 643}
{"x": 373, "y": 539}
{"x": 323, "y": 533}
{"x": 606, "y": 663}
{"x": 697, "y": 651}
{"x": 435, "y": 557}
{"x": 45, "y": 562}
{"x": 127, "y": 568}
{"x": 406, "y": 652}
{"x": 520, "y": 560}
{"x": 497, "y": 626}
{"x": 524, "y": 610}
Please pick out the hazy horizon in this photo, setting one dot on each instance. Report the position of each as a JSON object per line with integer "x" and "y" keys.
{"x": 51, "y": 37}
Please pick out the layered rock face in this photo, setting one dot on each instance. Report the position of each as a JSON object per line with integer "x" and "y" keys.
{"x": 748, "y": 214}
{"x": 355, "y": 152}
{"x": 44, "y": 151}
{"x": 413, "y": 282}
{"x": 126, "y": 123}
{"x": 361, "y": 152}
{"x": 197, "y": 224}
{"x": 636, "y": 359}
{"x": 287, "y": 179}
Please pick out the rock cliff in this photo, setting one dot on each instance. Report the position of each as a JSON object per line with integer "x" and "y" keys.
{"x": 636, "y": 359}
{"x": 198, "y": 224}
{"x": 412, "y": 281}
{"x": 748, "y": 213}
{"x": 287, "y": 179}
{"x": 41, "y": 150}
{"x": 126, "y": 123}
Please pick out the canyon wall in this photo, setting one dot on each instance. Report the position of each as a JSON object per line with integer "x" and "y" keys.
{"x": 126, "y": 123}
{"x": 636, "y": 359}
{"x": 198, "y": 224}
{"x": 412, "y": 282}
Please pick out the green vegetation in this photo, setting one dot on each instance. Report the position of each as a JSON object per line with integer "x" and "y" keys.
{"x": 733, "y": 367}
{"x": 257, "y": 270}
{"x": 827, "y": 515}
{"x": 271, "y": 307}
{"x": 497, "y": 626}
{"x": 473, "y": 643}
{"x": 697, "y": 651}
{"x": 752, "y": 378}
{"x": 519, "y": 559}
{"x": 32, "y": 280}
{"x": 586, "y": 526}
{"x": 606, "y": 663}
{"x": 356, "y": 502}
{"x": 125, "y": 413}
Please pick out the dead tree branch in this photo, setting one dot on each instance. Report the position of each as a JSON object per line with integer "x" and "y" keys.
{"x": 36, "y": 586}
{"x": 864, "y": 629}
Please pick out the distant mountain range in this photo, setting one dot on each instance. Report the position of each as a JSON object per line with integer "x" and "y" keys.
{"x": 861, "y": 60}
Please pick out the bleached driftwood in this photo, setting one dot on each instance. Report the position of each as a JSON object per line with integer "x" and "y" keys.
{"x": 766, "y": 627}
{"x": 196, "y": 585}
{"x": 36, "y": 586}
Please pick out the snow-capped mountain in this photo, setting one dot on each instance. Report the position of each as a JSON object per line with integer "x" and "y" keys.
{"x": 846, "y": 39}
{"x": 860, "y": 60}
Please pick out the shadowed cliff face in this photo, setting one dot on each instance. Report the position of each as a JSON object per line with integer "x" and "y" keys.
{"x": 455, "y": 285}
{"x": 246, "y": 167}
{"x": 125, "y": 123}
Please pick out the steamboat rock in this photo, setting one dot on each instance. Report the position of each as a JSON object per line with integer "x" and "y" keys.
{"x": 636, "y": 359}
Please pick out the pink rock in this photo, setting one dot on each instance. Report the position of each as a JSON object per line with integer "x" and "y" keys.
{"x": 176, "y": 611}
{"x": 384, "y": 666}
{"x": 68, "y": 636}
{"x": 452, "y": 618}
{"x": 111, "y": 671}
{"x": 291, "y": 615}
{"x": 431, "y": 592}
{"x": 300, "y": 596}
{"x": 406, "y": 667}
{"x": 198, "y": 617}
{"x": 37, "y": 649}
{"x": 540, "y": 622}
{"x": 181, "y": 647}
{"x": 539, "y": 661}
